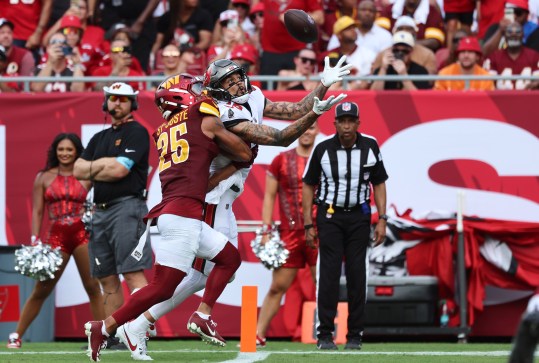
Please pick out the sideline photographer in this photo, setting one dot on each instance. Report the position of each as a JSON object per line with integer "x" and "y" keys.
{"x": 397, "y": 61}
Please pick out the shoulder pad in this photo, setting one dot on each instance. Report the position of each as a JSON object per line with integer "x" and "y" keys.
{"x": 208, "y": 107}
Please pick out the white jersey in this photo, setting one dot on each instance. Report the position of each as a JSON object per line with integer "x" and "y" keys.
{"x": 231, "y": 113}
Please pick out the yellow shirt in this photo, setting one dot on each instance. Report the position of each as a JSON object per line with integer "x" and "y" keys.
{"x": 453, "y": 70}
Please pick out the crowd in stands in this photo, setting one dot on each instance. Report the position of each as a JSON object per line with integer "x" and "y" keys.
{"x": 60, "y": 38}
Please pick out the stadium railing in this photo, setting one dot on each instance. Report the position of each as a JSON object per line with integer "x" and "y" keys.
{"x": 271, "y": 80}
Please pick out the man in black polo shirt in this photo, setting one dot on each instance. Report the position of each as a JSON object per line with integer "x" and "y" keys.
{"x": 343, "y": 167}
{"x": 116, "y": 160}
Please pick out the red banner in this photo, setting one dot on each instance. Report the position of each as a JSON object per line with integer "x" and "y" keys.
{"x": 433, "y": 144}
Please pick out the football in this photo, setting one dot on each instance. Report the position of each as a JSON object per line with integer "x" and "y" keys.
{"x": 301, "y": 26}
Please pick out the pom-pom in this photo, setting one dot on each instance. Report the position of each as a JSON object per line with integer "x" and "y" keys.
{"x": 273, "y": 254}
{"x": 39, "y": 262}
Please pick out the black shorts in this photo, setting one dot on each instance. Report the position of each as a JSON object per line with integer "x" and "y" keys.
{"x": 464, "y": 18}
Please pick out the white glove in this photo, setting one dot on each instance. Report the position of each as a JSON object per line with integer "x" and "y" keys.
{"x": 533, "y": 304}
{"x": 320, "y": 107}
{"x": 333, "y": 75}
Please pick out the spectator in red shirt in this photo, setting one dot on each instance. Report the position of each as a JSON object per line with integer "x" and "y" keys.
{"x": 257, "y": 18}
{"x": 121, "y": 59}
{"x": 20, "y": 61}
{"x": 121, "y": 32}
{"x": 427, "y": 17}
{"x": 515, "y": 59}
{"x": 30, "y": 19}
{"x": 279, "y": 47}
{"x": 231, "y": 34}
{"x": 62, "y": 61}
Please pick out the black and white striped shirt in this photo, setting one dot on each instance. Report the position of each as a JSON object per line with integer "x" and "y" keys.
{"x": 343, "y": 174}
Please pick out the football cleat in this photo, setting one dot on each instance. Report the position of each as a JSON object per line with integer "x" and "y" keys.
{"x": 260, "y": 342}
{"x": 96, "y": 339}
{"x": 134, "y": 341}
{"x": 206, "y": 329}
{"x": 14, "y": 341}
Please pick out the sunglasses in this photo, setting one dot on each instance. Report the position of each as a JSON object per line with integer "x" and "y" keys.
{"x": 126, "y": 49}
{"x": 70, "y": 30}
{"x": 253, "y": 16}
{"x": 519, "y": 12}
{"x": 245, "y": 6}
{"x": 57, "y": 41}
{"x": 171, "y": 54}
{"x": 123, "y": 99}
{"x": 402, "y": 50}
{"x": 308, "y": 60}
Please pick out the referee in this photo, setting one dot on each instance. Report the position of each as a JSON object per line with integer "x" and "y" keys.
{"x": 343, "y": 167}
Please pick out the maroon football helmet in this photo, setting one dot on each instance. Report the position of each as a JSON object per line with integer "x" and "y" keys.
{"x": 176, "y": 93}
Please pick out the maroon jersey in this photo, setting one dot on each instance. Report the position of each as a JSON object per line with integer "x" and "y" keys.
{"x": 185, "y": 154}
{"x": 287, "y": 168}
{"x": 525, "y": 64}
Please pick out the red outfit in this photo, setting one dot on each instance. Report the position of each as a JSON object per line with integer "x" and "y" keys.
{"x": 184, "y": 171}
{"x": 64, "y": 199}
{"x": 275, "y": 38}
{"x": 288, "y": 168}
{"x": 107, "y": 70}
{"x": 500, "y": 62}
{"x": 23, "y": 14}
{"x": 459, "y": 6}
{"x": 20, "y": 62}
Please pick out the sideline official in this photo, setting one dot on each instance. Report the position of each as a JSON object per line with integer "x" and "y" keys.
{"x": 116, "y": 160}
{"x": 343, "y": 167}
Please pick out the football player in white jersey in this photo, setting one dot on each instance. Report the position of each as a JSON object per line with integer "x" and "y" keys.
{"x": 242, "y": 108}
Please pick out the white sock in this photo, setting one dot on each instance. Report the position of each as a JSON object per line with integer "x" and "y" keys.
{"x": 103, "y": 330}
{"x": 203, "y": 316}
{"x": 140, "y": 324}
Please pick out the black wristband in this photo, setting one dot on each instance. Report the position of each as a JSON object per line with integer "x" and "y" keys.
{"x": 308, "y": 226}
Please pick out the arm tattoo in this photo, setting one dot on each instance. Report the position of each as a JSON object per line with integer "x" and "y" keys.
{"x": 266, "y": 135}
{"x": 292, "y": 110}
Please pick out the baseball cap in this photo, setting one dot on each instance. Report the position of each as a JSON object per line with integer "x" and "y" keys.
{"x": 4, "y": 21}
{"x": 116, "y": 28}
{"x": 522, "y": 4}
{"x": 403, "y": 37}
{"x": 470, "y": 44}
{"x": 70, "y": 21}
{"x": 244, "y": 51}
{"x": 347, "y": 109}
{"x": 405, "y": 20}
{"x": 342, "y": 23}
{"x": 246, "y": 2}
{"x": 258, "y": 8}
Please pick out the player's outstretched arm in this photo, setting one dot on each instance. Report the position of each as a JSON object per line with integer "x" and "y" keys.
{"x": 292, "y": 110}
{"x": 266, "y": 135}
{"x": 231, "y": 145}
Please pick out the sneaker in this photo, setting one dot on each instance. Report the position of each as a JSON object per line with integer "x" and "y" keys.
{"x": 206, "y": 328}
{"x": 96, "y": 339}
{"x": 14, "y": 342}
{"x": 134, "y": 341}
{"x": 326, "y": 344}
{"x": 260, "y": 342}
{"x": 152, "y": 331}
{"x": 353, "y": 344}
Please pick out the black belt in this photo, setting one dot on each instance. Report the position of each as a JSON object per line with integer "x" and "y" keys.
{"x": 343, "y": 209}
{"x": 107, "y": 205}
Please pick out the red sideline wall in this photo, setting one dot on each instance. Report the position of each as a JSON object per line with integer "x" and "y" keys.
{"x": 433, "y": 143}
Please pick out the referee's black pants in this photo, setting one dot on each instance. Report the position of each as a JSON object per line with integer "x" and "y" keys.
{"x": 345, "y": 234}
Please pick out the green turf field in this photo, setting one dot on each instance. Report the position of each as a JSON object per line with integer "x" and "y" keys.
{"x": 275, "y": 352}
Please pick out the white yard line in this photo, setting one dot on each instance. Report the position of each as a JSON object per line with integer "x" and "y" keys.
{"x": 254, "y": 357}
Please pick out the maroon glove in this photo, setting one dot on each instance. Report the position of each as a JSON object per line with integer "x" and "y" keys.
{"x": 246, "y": 164}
